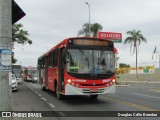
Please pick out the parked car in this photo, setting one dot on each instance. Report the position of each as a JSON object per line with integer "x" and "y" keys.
{"x": 14, "y": 83}
{"x": 19, "y": 80}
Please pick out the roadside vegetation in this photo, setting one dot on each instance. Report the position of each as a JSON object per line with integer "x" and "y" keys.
{"x": 20, "y": 36}
{"x": 90, "y": 29}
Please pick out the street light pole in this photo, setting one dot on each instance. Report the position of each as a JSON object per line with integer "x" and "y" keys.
{"x": 89, "y": 28}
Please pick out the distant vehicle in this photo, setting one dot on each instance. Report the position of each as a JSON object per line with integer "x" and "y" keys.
{"x": 29, "y": 73}
{"x": 79, "y": 66}
{"x": 35, "y": 79}
{"x": 17, "y": 70}
{"x": 14, "y": 83}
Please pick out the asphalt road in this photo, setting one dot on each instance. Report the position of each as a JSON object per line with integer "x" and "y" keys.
{"x": 136, "y": 97}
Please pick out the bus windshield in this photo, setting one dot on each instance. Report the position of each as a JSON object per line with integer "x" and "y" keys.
{"x": 90, "y": 61}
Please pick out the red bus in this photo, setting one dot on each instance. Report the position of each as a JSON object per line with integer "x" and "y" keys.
{"x": 79, "y": 66}
{"x": 29, "y": 73}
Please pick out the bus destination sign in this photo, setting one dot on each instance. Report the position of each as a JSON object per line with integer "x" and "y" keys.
{"x": 91, "y": 42}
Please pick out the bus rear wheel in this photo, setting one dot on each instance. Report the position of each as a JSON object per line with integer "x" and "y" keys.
{"x": 94, "y": 96}
{"x": 43, "y": 88}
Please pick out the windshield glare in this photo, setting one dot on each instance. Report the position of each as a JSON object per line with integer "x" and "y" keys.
{"x": 90, "y": 61}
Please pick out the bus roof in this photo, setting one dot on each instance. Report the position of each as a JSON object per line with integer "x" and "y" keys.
{"x": 65, "y": 42}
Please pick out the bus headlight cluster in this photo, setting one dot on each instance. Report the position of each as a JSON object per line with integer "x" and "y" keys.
{"x": 113, "y": 80}
{"x": 69, "y": 80}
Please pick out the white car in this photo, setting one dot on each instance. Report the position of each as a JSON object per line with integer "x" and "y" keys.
{"x": 34, "y": 80}
{"x": 14, "y": 83}
{"x": 19, "y": 80}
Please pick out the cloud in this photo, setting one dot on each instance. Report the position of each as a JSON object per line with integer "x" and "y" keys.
{"x": 50, "y": 21}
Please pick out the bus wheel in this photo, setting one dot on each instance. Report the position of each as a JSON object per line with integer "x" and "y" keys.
{"x": 43, "y": 88}
{"x": 94, "y": 96}
{"x": 59, "y": 96}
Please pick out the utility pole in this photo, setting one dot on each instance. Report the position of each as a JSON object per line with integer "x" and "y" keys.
{"x": 5, "y": 48}
{"x": 89, "y": 22}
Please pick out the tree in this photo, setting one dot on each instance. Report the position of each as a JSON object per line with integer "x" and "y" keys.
{"x": 134, "y": 39}
{"x": 85, "y": 30}
{"x": 124, "y": 65}
{"x": 94, "y": 28}
{"x": 19, "y": 36}
{"x": 14, "y": 60}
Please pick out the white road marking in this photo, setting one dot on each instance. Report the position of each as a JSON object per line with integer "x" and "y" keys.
{"x": 62, "y": 114}
{"x": 155, "y": 90}
{"x": 146, "y": 95}
{"x": 51, "y": 105}
{"x": 39, "y": 95}
{"x": 44, "y": 99}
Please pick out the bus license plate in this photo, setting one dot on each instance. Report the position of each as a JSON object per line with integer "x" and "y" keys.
{"x": 93, "y": 90}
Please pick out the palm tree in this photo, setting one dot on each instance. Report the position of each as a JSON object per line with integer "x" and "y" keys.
{"x": 134, "y": 39}
{"x": 94, "y": 28}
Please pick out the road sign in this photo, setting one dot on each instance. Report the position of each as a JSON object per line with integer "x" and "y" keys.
{"x": 146, "y": 70}
{"x": 17, "y": 12}
{"x": 5, "y": 58}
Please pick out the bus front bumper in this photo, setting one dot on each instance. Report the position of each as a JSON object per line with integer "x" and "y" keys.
{"x": 72, "y": 90}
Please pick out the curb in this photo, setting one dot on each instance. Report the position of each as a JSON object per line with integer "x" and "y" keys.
{"x": 141, "y": 81}
{"x": 123, "y": 85}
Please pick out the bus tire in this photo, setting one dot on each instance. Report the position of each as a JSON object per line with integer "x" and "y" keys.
{"x": 94, "y": 96}
{"x": 43, "y": 88}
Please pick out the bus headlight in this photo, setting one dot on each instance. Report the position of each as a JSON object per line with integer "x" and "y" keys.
{"x": 113, "y": 80}
{"x": 69, "y": 80}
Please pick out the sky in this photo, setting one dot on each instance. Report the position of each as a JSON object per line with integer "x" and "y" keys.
{"x": 51, "y": 21}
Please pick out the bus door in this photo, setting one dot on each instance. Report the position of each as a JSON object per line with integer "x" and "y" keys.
{"x": 46, "y": 71}
{"x": 61, "y": 69}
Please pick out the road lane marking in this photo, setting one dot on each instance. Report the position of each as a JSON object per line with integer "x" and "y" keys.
{"x": 146, "y": 95}
{"x": 153, "y": 90}
{"x": 39, "y": 95}
{"x": 62, "y": 114}
{"x": 51, "y": 105}
{"x": 130, "y": 104}
{"x": 44, "y": 99}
